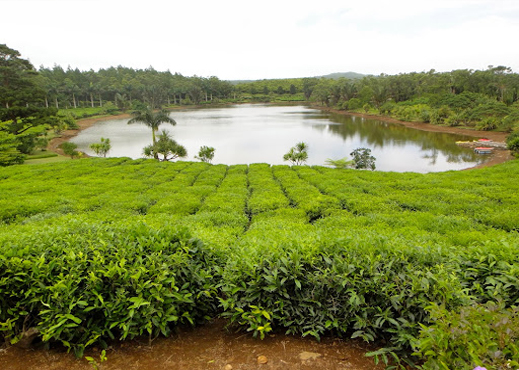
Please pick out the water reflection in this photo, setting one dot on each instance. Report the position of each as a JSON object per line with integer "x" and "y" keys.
{"x": 378, "y": 134}
{"x": 263, "y": 133}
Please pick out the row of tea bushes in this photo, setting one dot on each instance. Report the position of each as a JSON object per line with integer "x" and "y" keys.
{"x": 303, "y": 195}
{"x": 266, "y": 193}
{"x": 82, "y": 281}
{"x": 307, "y": 250}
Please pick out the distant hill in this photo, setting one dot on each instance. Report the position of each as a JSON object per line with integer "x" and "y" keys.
{"x": 334, "y": 76}
{"x": 350, "y": 75}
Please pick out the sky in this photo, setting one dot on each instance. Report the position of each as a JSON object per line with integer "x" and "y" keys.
{"x": 237, "y": 40}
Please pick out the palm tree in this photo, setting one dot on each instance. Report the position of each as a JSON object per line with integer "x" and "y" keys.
{"x": 297, "y": 154}
{"x": 152, "y": 119}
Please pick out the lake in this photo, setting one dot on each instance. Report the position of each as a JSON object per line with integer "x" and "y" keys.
{"x": 261, "y": 133}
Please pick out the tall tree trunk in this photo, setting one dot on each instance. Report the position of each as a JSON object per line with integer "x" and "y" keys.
{"x": 56, "y": 101}
{"x": 100, "y": 101}
{"x": 155, "y": 154}
{"x": 74, "y": 100}
{"x": 46, "y": 102}
{"x": 92, "y": 100}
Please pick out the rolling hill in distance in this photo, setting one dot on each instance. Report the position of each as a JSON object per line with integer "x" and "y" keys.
{"x": 333, "y": 76}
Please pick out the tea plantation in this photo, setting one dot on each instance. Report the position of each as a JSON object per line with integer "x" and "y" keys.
{"x": 424, "y": 265}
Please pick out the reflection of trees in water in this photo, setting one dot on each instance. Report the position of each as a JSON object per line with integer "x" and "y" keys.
{"x": 378, "y": 134}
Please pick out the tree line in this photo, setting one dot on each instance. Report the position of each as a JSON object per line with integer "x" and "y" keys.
{"x": 484, "y": 99}
{"x": 123, "y": 85}
{"x": 31, "y": 100}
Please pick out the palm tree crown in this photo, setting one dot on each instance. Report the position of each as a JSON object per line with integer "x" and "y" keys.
{"x": 152, "y": 119}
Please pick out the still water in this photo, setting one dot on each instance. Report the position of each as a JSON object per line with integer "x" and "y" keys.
{"x": 255, "y": 133}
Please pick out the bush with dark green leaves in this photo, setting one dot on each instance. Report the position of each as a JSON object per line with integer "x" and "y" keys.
{"x": 115, "y": 248}
{"x": 477, "y": 335}
{"x": 100, "y": 281}
{"x": 512, "y": 142}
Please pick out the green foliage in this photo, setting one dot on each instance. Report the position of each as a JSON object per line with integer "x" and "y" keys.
{"x": 9, "y": 154}
{"x": 205, "y": 154}
{"x": 478, "y": 335}
{"x": 93, "y": 362}
{"x": 102, "y": 148}
{"x": 362, "y": 159}
{"x": 69, "y": 149}
{"x": 22, "y": 116}
{"x": 512, "y": 142}
{"x": 152, "y": 119}
{"x": 98, "y": 249}
{"x": 117, "y": 281}
{"x": 166, "y": 147}
{"x": 340, "y": 163}
{"x": 297, "y": 154}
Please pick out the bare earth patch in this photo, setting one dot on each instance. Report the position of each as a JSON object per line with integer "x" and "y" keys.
{"x": 208, "y": 347}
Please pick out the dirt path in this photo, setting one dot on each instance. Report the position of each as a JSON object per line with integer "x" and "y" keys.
{"x": 208, "y": 347}
{"x": 498, "y": 156}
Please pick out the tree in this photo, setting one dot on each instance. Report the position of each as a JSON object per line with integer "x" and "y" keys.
{"x": 308, "y": 86}
{"x": 512, "y": 142}
{"x": 322, "y": 91}
{"x": 22, "y": 101}
{"x": 205, "y": 154}
{"x": 102, "y": 148}
{"x": 297, "y": 154}
{"x": 153, "y": 120}
{"x": 70, "y": 149}
{"x": 362, "y": 159}
{"x": 9, "y": 154}
{"x": 122, "y": 102}
{"x": 165, "y": 146}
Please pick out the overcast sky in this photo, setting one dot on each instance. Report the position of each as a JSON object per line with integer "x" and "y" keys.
{"x": 265, "y": 39}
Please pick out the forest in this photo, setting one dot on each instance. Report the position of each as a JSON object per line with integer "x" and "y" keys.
{"x": 34, "y": 102}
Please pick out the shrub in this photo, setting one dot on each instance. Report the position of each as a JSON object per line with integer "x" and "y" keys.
{"x": 100, "y": 282}
{"x": 512, "y": 142}
{"x": 476, "y": 335}
{"x": 69, "y": 149}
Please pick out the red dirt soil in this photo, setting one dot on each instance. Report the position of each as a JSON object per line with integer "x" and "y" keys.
{"x": 208, "y": 347}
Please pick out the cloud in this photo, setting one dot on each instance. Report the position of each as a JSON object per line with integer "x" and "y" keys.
{"x": 268, "y": 39}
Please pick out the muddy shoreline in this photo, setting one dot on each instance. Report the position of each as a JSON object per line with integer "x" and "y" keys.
{"x": 498, "y": 156}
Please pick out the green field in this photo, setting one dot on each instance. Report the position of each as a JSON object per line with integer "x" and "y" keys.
{"x": 98, "y": 249}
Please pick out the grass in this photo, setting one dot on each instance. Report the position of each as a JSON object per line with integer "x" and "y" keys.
{"x": 48, "y": 158}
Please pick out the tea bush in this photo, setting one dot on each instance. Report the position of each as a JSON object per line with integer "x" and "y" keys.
{"x": 94, "y": 249}
{"x": 479, "y": 335}
{"x": 98, "y": 281}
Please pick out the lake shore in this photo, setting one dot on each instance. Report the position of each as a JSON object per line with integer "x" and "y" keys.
{"x": 85, "y": 123}
{"x": 498, "y": 156}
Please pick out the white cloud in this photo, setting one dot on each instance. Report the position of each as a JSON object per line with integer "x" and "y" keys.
{"x": 268, "y": 39}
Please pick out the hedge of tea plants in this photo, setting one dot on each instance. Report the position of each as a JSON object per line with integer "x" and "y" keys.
{"x": 97, "y": 249}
